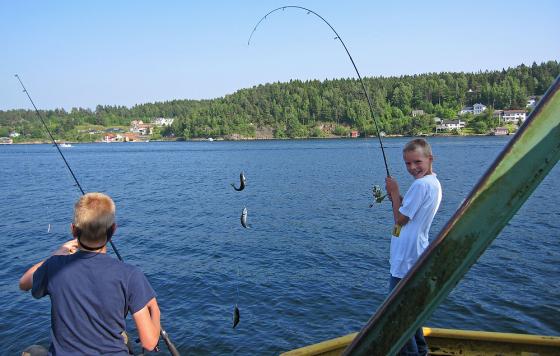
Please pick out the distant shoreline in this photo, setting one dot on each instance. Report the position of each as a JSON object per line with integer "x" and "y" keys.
{"x": 253, "y": 139}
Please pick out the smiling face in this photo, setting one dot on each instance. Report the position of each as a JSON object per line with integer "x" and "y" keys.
{"x": 418, "y": 164}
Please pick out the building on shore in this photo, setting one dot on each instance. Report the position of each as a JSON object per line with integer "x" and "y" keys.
{"x": 162, "y": 121}
{"x": 500, "y": 131}
{"x": 513, "y": 116}
{"x": 140, "y": 128}
{"x": 532, "y": 102}
{"x": 112, "y": 137}
{"x": 457, "y": 124}
{"x": 417, "y": 113}
{"x": 476, "y": 109}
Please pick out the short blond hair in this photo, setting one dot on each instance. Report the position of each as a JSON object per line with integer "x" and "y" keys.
{"x": 418, "y": 143}
{"x": 94, "y": 214}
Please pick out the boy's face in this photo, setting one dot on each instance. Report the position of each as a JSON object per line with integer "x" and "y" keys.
{"x": 417, "y": 163}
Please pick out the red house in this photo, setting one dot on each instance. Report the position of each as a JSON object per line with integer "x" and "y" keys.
{"x": 354, "y": 133}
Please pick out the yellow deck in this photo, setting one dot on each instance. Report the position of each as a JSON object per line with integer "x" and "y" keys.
{"x": 455, "y": 342}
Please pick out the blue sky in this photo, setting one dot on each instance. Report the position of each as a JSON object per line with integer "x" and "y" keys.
{"x": 84, "y": 53}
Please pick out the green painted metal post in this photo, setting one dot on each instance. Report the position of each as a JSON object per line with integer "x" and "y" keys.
{"x": 511, "y": 179}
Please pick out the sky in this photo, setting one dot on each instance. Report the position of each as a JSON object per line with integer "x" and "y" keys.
{"x": 106, "y": 52}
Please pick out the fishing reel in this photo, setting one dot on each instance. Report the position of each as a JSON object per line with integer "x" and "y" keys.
{"x": 378, "y": 195}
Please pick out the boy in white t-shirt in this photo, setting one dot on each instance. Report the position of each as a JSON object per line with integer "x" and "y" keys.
{"x": 413, "y": 216}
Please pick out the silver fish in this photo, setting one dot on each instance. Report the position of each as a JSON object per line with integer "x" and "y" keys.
{"x": 235, "y": 316}
{"x": 242, "y": 182}
{"x": 244, "y": 218}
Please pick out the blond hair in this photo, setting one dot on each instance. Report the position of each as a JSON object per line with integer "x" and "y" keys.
{"x": 418, "y": 143}
{"x": 94, "y": 214}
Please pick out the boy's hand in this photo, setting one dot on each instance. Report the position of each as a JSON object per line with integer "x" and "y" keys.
{"x": 67, "y": 248}
{"x": 392, "y": 187}
{"x": 26, "y": 281}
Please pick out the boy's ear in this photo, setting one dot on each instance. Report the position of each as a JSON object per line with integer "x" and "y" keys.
{"x": 111, "y": 231}
{"x": 74, "y": 230}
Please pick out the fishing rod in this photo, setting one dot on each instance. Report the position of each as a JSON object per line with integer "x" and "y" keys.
{"x": 61, "y": 154}
{"x": 351, "y": 60}
{"x": 172, "y": 349}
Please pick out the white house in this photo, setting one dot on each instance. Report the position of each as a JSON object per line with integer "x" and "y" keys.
{"x": 514, "y": 115}
{"x": 139, "y": 127}
{"x": 531, "y": 102}
{"x": 451, "y": 125}
{"x": 162, "y": 121}
{"x": 477, "y": 109}
{"x": 417, "y": 113}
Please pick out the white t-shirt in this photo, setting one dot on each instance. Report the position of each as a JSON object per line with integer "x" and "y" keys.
{"x": 420, "y": 205}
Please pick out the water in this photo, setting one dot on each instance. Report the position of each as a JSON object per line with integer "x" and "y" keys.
{"x": 313, "y": 266}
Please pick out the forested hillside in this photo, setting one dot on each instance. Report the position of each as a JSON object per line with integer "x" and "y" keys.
{"x": 307, "y": 109}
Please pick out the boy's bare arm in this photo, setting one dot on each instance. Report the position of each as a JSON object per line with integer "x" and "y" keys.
{"x": 26, "y": 281}
{"x": 148, "y": 325}
{"x": 394, "y": 194}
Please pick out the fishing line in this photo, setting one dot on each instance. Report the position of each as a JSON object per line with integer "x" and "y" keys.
{"x": 163, "y": 333}
{"x": 238, "y": 277}
{"x": 353, "y": 64}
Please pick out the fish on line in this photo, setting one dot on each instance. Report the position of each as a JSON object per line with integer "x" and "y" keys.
{"x": 242, "y": 181}
{"x": 235, "y": 316}
{"x": 244, "y": 218}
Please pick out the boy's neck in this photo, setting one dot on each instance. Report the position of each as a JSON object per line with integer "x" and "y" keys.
{"x": 81, "y": 247}
{"x": 102, "y": 250}
{"x": 427, "y": 174}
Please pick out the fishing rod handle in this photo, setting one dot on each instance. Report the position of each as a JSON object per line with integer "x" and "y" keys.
{"x": 172, "y": 349}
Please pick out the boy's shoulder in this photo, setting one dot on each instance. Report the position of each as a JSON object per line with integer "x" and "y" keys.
{"x": 424, "y": 184}
{"x": 430, "y": 179}
{"x": 92, "y": 259}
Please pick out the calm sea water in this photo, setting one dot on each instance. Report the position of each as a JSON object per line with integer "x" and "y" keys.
{"x": 313, "y": 266}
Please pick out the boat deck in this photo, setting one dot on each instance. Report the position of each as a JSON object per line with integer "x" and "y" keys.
{"x": 447, "y": 342}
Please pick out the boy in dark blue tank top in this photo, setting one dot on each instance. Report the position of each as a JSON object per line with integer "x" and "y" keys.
{"x": 91, "y": 292}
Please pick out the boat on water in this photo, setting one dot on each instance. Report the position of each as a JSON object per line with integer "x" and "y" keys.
{"x": 65, "y": 145}
{"x": 449, "y": 342}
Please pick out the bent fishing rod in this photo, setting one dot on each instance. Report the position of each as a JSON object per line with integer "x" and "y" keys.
{"x": 172, "y": 349}
{"x": 351, "y": 60}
